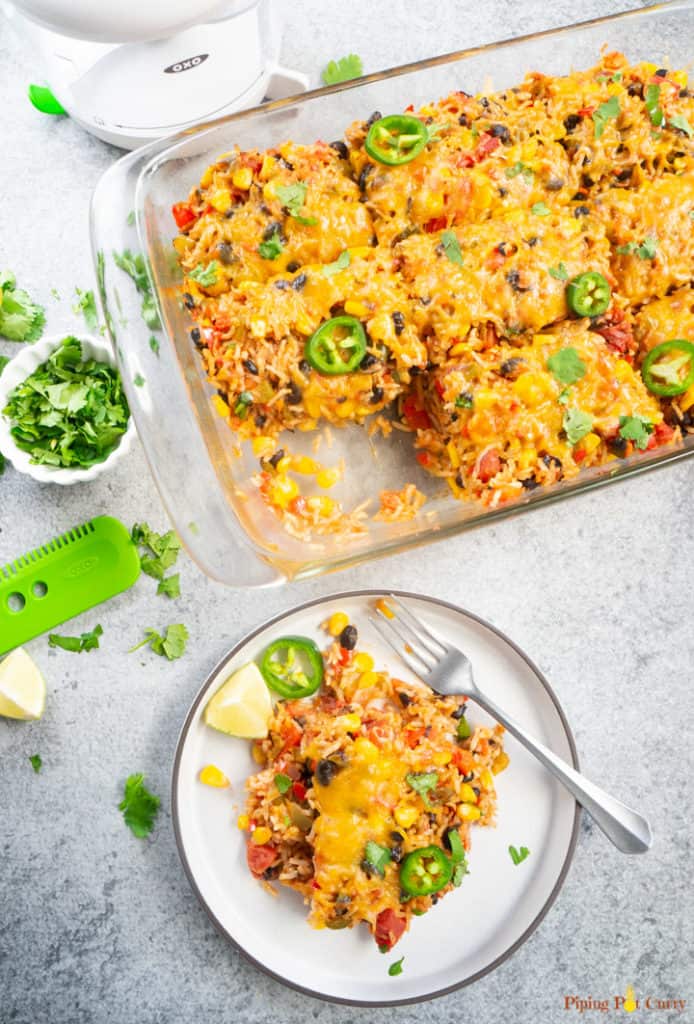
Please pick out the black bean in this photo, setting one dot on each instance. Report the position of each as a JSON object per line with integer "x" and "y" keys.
{"x": 459, "y": 480}
{"x": 295, "y": 394}
{"x": 587, "y": 181}
{"x": 397, "y": 837}
{"x": 551, "y": 461}
{"x": 502, "y": 248}
{"x": 276, "y": 457}
{"x": 282, "y": 285}
{"x": 326, "y": 771}
{"x": 484, "y": 101}
{"x": 660, "y": 73}
{"x": 188, "y": 300}
{"x": 513, "y": 278}
{"x": 618, "y": 445}
{"x": 376, "y": 396}
{"x": 503, "y": 192}
{"x": 285, "y": 163}
{"x": 684, "y": 93}
{"x": 260, "y": 419}
{"x": 532, "y": 242}
{"x": 396, "y": 853}
{"x": 581, "y": 211}
{"x": 572, "y": 122}
{"x": 229, "y": 213}
{"x": 580, "y": 195}
{"x": 625, "y": 174}
{"x": 368, "y": 361}
{"x": 305, "y": 367}
{"x": 469, "y": 777}
{"x": 367, "y": 868}
{"x": 195, "y": 335}
{"x": 554, "y": 184}
{"x": 340, "y": 148}
{"x": 225, "y": 253}
{"x": 398, "y": 321}
{"x": 348, "y": 638}
{"x": 476, "y": 790}
{"x": 530, "y": 483}
{"x": 511, "y": 368}
{"x": 292, "y": 267}
{"x": 269, "y": 231}
{"x": 376, "y": 116}
{"x": 249, "y": 365}
{"x": 272, "y": 872}
{"x": 458, "y": 712}
{"x": 404, "y": 699}
{"x": 635, "y": 89}
{"x": 365, "y": 172}
{"x": 299, "y": 282}
{"x": 500, "y": 131}
{"x": 464, "y": 121}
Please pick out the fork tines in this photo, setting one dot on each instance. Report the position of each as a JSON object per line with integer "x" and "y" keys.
{"x": 409, "y": 638}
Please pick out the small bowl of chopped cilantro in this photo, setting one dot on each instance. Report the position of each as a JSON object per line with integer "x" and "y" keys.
{"x": 64, "y": 417}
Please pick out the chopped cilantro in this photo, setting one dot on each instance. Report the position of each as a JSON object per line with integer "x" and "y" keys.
{"x": 206, "y": 276}
{"x": 56, "y": 294}
{"x": 36, "y": 762}
{"x": 540, "y": 209}
{"x": 651, "y": 98}
{"x": 4, "y": 360}
{"x": 283, "y": 783}
{"x": 377, "y": 857}
{"x": 130, "y": 219}
{"x": 170, "y": 586}
{"x": 451, "y": 247}
{"x": 243, "y": 403}
{"x": 636, "y": 429}
{"x": 459, "y": 872}
{"x": 518, "y": 856}
{"x": 86, "y": 304}
{"x": 133, "y": 264}
{"x": 20, "y": 318}
{"x": 271, "y": 248}
{"x": 645, "y": 251}
{"x": 70, "y": 411}
{"x": 160, "y": 553}
{"x": 342, "y": 70}
{"x": 566, "y": 365}
{"x": 396, "y": 968}
{"x": 563, "y": 398}
{"x": 172, "y": 645}
{"x": 84, "y": 642}
{"x": 464, "y": 401}
{"x": 680, "y": 122}
{"x": 602, "y": 114}
{"x": 139, "y": 806}
{"x": 617, "y": 77}
{"x": 341, "y": 263}
{"x": 292, "y": 198}
{"x": 576, "y": 425}
{"x": 559, "y": 273}
{"x": 421, "y": 783}
{"x": 154, "y": 345}
{"x": 138, "y": 380}
{"x": 520, "y": 168}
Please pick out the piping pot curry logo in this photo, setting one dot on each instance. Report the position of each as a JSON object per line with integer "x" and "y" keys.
{"x": 628, "y": 1003}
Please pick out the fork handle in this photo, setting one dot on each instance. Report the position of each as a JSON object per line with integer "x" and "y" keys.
{"x": 628, "y": 830}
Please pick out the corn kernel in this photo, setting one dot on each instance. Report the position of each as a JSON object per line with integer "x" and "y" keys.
{"x": 351, "y": 722}
{"x": 383, "y": 608}
{"x": 345, "y": 410}
{"x": 355, "y": 308}
{"x": 261, "y": 835}
{"x": 257, "y": 754}
{"x": 459, "y": 349}
{"x": 622, "y": 370}
{"x": 337, "y": 622}
{"x": 530, "y": 388}
{"x": 500, "y": 762}
{"x": 405, "y": 815}
{"x": 221, "y": 406}
{"x": 365, "y": 750}
{"x": 269, "y": 164}
{"x": 262, "y": 446}
{"x": 591, "y": 442}
{"x": 206, "y": 178}
{"x": 485, "y": 398}
{"x": 486, "y": 779}
{"x": 328, "y": 477}
{"x": 527, "y": 457}
{"x": 363, "y": 661}
{"x": 687, "y": 399}
{"x": 457, "y": 491}
{"x": 242, "y": 822}
{"x": 367, "y": 679}
{"x": 312, "y": 406}
{"x": 357, "y": 251}
{"x": 468, "y": 812}
{"x": 304, "y": 464}
{"x": 453, "y": 454}
{"x": 442, "y": 757}
{"x": 282, "y": 490}
{"x": 284, "y": 464}
{"x": 221, "y": 200}
{"x": 467, "y": 794}
{"x": 242, "y": 178}
{"x": 303, "y": 324}
{"x": 211, "y": 775}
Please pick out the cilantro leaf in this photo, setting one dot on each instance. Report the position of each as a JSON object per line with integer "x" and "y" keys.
{"x": 421, "y": 783}
{"x": 602, "y": 114}
{"x": 205, "y": 276}
{"x": 460, "y": 871}
{"x": 647, "y": 249}
{"x": 559, "y": 273}
{"x": 292, "y": 198}
{"x": 4, "y": 360}
{"x": 343, "y": 70}
{"x": 170, "y": 586}
{"x": 540, "y": 209}
{"x": 139, "y": 806}
{"x": 84, "y": 642}
{"x": 680, "y": 122}
{"x": 626, "y": 250}
{"x": 154, "y": 345}
{"x": 464, "y": 401}
{"x": 636, "y": 429}
{"x": 377, "y": 857}
{"x": 70, "y": 411}
{"x": 451, "y": 247}
{"x": 520, "y": 168}
{"x": 566, "y": 365}
{"x": 283, "y": 783}
{"x": 36, "y": 762}
{"x": 133, "y": 264}
{"x": 396, "y": 968}
{"x": 138, "y": 380}
{"x": 651, "y": 98}
{"x": 86, "y": 304}
{"x": 171, "y": 646}
{"x": 518, "y": 856}
{"x": 271, "y": 248}
{"x": 576, "y": 425}
{"x": 20, "y": 318}
{"x": 341, "y": 263}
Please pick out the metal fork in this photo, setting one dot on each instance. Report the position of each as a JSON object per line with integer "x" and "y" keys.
{"x": 448, "y": 671}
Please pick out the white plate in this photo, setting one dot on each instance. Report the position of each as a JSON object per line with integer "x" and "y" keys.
{"x": 473, "y": 929}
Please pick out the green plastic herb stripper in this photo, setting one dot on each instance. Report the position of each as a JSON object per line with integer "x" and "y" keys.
{"x": 66, "y": 576}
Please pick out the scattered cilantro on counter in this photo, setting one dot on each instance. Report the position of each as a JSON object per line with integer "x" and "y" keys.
{"x": 171, "y": 586}
{"x": 171, "y": 646}
{"x": 138, "y": 380}
{"x": 133, "y": 264}
{"x": 84, "y": 642}
{"x": 518, "y": 856}
{"x": 139, "y": 806}
{"x": 343, "y": 70}
{"x": 154, "y": 345}
{"x": 36, "y": 762}
{"x": 396, "y": 968}
{"x": 161, "y": 552}
{"x": 4, "y": 360}
{"x": 86, "y": 304}
{"x": 20, "y": 318}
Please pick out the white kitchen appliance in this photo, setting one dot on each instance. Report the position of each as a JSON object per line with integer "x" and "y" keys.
{"x": 131, "y": 71}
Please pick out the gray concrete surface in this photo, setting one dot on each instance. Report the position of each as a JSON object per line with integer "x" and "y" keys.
{"x": 96, "y": 926}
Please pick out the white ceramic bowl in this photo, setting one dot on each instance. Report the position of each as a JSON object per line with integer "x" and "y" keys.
{"x": 17, "y": 370}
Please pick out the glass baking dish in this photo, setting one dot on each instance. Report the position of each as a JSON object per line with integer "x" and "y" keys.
{"x": 203, "y": 476}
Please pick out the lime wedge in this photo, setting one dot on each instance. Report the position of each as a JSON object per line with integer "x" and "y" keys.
{"x": 22, "y": 687}
{"x": 242, "y": 706}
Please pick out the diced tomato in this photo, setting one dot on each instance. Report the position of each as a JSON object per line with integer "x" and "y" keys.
{"x": 299, "y": 790}
{"x": 298, "y": 505}
{"x": 409, "y": 108}
{"x": 486, "y": 145}
{"x": 616, "y": 330}
{"x": 344, "y": 657}
{"x": 585, "y": 111}
{"x": 463, "y": 760}
{"x": 260, "y": 858}
{"x": 435, "y": 224}
{"x": 423, "y": 458}
{"x": 495, "y": 260}
{"x": 416, "y": 417}
{"x": 438, "y": 384}
{"x": 663, "y": 433}
{"x": 291, "y": 734}
{"x": 222, "y": 322}
{"x": 488, "y": 466}
{"x": 413, "y": 736}
{"x": 389, "y": 928}
{"x": 183, "y": 215}
{"x": 579, "y": 455}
